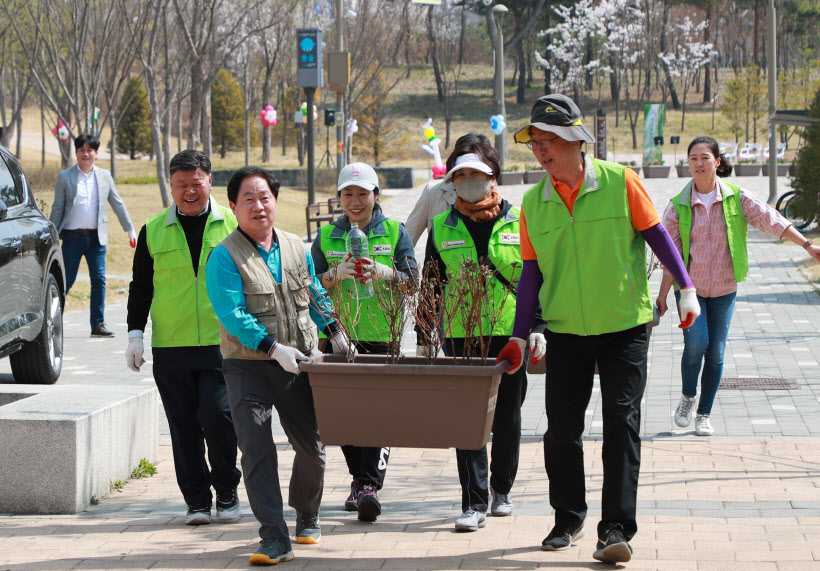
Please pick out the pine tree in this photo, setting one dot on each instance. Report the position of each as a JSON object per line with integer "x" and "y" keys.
{"x": 807, "y": 168}
{"x": 227, "y": 113}
{"x": 134, "y": 132}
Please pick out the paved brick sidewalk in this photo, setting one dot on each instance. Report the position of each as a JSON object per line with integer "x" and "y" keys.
{"x": 703, "y": 504}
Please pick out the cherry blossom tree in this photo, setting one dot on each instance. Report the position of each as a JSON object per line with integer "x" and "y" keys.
{"x": 689, "y": 56}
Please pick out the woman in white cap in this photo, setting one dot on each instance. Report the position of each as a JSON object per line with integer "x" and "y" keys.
{"x": 482, "y": 227}
{"x": 391, "y": 259}
{"x": 439, "y": 196}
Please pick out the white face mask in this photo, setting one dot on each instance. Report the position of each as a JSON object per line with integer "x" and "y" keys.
{"x": 473, "y": 190}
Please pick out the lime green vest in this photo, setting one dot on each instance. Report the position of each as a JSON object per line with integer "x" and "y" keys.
{"x": 370, "y": 324}
{"x": 593, "y": 261}
{"x": 736, "y": 228}
{"x": 181, "y": 312}
{"x": 455, "y": 246}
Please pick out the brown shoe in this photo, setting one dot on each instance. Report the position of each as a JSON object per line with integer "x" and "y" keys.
{"x": 101, "y": 331}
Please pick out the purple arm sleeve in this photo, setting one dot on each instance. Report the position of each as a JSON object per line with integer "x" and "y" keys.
{"x": 526, "y": 299}
{"x": 661, "y": 243}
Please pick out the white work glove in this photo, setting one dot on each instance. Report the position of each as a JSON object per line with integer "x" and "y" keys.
{"x": 538, "y": 347}
{"x": 315, "y": 353}
{"x": 344, "y": 270}
{"x": 132, "y": 238}
{"x": 513, "y": 352}
{"x": 426, "y": 351}
{"x": 689, "y": 307}
{"x": 288, "y": 357}
{"x": 134, "y": 353}
{"x": 342, "y": 345}
{"x": 371, "y": 270}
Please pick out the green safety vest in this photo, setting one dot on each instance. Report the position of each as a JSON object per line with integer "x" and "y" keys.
{"x": 455, "y": 246}
{"x": 181, "y": 312}
{"x": 736, "y": 228}
{"x": 593, "y": 261}
{"x": 369, "y": 323}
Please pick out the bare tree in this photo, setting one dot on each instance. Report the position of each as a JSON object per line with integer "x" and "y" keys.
{"x": 15, "y": 84}
{"x": 443, "y": 35}
{"x": 67, "y": 67}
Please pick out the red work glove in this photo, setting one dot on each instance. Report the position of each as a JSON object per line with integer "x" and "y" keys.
{"x": 689, "y": 307}
{"x": 513, "y": 352}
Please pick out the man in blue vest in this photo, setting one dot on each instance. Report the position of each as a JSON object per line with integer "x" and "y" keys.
{"x": 169, "y": 281}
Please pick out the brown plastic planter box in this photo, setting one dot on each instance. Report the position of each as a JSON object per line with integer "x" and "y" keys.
{"x": 411, "y": 404}
{"x": 534, "y": 177}
{"x": 747, "y": 169}
{"x": 511, "y": 177}
{"x": 683, "y": 171}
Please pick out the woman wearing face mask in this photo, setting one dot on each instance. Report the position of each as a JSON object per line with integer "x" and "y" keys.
{"x": 391, "y": 260}
{"x": 483, "y": 227}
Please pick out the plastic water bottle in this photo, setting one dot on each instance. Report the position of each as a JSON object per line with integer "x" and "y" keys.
{"x": 357, "y": 245}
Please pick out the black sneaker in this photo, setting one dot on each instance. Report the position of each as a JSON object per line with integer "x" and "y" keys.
{"x": 198, "y": 515}
{"x": 615, "y": 549}
{"x": 101, "y": 331}
{"x": 560, "y": 539}
{"x": 308, "y": 529}
{"x": 271, "y": 552}
{"x": 369, "y": 505}
{"x": 227, "y": 506}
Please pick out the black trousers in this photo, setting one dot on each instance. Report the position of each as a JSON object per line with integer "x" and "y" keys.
{"x": 621, "y": 358}
{"x": 367, "y": 464}
{"x": 255, "y": 389}
{"x": 195, "y": 400}
{"x": 473, "y": 466}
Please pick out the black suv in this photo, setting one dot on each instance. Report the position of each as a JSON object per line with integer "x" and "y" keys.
{"x": 32, "y": 281}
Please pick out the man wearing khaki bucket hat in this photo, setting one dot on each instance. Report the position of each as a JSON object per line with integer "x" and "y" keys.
{"x": 583, "y": 234}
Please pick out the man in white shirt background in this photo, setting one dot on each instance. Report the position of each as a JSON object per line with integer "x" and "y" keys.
{"x": 80, "y": 215}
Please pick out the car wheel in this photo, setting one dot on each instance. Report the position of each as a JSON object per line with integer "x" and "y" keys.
{"x": 39, "y": 362}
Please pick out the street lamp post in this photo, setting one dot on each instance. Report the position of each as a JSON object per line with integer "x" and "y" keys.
{"x": 498, "y": 84}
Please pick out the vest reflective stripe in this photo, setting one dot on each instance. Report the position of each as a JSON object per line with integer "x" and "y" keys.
{"x": 181, "y": 312}
{"x": 282, "y": 308}
{"x": 371, "y": 324}
{"x": 593, "y": 261}
{"x": 737, "y": 230}
{"x": 455, "y": 246}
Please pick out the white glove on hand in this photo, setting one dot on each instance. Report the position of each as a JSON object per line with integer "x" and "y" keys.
{"x": 132, "y": 238}
{"x": 288, "y": 357}
{"x": 426, "y": 351}
{"x": 315, "y": 352}
{"x": 689, "y": 307}
{"x": 134, "y": 354}
{"x": 538, "y": 347}
{"x": 371, "y": 270}
{"x": 342, "y": 345}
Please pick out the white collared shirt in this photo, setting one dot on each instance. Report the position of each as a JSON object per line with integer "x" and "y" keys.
{"x": 86, "y": 204}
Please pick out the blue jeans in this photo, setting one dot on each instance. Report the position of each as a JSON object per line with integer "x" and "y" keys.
{"x": 75, "y": 246}
{"x": 703, "y": 346}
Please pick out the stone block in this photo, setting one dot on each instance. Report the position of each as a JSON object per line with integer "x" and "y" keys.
{"x": 61, "y": 445}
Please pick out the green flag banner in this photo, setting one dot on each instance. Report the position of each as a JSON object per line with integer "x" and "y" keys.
{"x": 652, "y": 127}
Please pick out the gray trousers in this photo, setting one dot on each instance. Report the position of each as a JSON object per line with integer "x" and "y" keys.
{"x": 254, "y": 387}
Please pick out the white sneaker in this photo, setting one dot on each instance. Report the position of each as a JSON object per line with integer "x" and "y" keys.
{"x": 502, "y": 504}
{"x": 683, "y": 414}
{"x": 703, "y": 427}
{"x": 471, "y": 520}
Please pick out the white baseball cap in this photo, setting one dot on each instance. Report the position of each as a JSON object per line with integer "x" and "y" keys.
{"x": 469, "y": 161}
{"x": 358, "y": 174}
